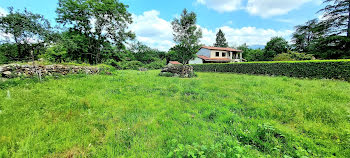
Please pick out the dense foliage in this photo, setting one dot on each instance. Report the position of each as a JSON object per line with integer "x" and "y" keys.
{"x": 98, "y": 23}
{"x": 186, "y": 35}
{"x": 313, "y": 69}
{"x": 30, "y": 34}
{"x": 276, "y": 45}
{"x": 221, "y": 40}
{"x": 329, "y": 37}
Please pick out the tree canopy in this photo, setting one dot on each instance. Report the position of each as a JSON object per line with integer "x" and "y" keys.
{"x": 99, "y": 22}
{"x": 29, "y": 31}
{"x": 186, "y": 35}
{"x": 337, "y": 15}
{"x": 276, "y": 45}
{"x": 221, "y": 40}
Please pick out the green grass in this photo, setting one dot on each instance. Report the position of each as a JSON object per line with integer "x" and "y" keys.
{"x": 140, "y": 114}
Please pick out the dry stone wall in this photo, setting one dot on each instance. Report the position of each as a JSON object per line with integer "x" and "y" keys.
{"x": 16, "y": 70}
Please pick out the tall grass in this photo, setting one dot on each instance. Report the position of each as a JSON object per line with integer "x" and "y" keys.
{"x": 140, "y": 114}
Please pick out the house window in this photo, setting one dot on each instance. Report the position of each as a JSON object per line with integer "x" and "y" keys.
{"x": 223, "y": 54}
{"x": 217, "y": 54}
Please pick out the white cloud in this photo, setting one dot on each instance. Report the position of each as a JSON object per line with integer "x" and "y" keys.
{"x": 3, "y": 12}
{"x": 3, "y": 36}
{"x": 248, "y": 35}
{"x": 263, "y": 8}
{"x": 152, "y": 30}
{"x": 268, "y": 8}
{"x": 157, "y": 33}
{"x": 222, "y": 5}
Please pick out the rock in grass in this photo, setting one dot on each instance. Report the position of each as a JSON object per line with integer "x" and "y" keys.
{"x": 185, "y": 71}
{"x": 7, "y": 73}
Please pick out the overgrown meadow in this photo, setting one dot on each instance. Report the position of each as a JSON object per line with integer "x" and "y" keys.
{"x": 141, "y": 114}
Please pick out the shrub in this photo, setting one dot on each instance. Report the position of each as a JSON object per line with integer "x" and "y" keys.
{"x": 55, "y": 53}
{"x": 290, "y": 56}
{"x": 127, "y": 65}
{"x": 332, "y": 69}
{"x": 158, "y": 64}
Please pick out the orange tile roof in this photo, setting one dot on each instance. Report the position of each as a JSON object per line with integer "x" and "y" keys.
{"x": 222, "y": 49}
{"x": 213, "y": 59}
{"x": 174, "y": 62}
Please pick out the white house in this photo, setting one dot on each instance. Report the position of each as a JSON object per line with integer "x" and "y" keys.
{"x": 217, "y": 55}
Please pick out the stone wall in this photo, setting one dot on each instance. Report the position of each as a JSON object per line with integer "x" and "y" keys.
{"x": 16, "y": 70}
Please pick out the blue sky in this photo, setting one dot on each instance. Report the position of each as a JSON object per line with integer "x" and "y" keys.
{"x": 243, "y": 21}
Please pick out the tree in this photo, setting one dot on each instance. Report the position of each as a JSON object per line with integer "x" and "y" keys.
{"x": 306, "y": 34}
{"x": 29, "y": 32}
{"x": 99, "y": 22}
{"x": 292, "y": 56}
{"x": 337, "y": 14}
{"x": 220, "y": 40}
{"x": 186, "y": 35}
{"x": 276, "y": 45}
{"x": 251, "y": 54}
{"x": 146, "y": 54}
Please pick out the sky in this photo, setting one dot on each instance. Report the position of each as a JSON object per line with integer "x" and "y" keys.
{"x": 253, "y": 22}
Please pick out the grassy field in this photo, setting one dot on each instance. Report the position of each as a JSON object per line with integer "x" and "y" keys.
{"x": 140, "y": 114}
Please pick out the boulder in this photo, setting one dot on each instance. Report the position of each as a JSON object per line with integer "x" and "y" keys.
{"x": 143, "y": 69}
{"x": 185, "y": 71}
{"x": 7, "y": 74}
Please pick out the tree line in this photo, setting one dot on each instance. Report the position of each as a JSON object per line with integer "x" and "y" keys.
{"x": 325, "y": 38}
{"x": 96, "y": 31}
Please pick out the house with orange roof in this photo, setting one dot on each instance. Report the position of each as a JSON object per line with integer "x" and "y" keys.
{"x": 217, "y": 55}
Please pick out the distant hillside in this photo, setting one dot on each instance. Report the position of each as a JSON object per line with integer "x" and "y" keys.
{"x": 257, "y": 46}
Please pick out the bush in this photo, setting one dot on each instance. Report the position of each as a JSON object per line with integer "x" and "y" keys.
{"x": 8, "y": 53}
{"x": 291, "y": 56}
{"x": 159, "y": 64}
{"x": 56, "y": 53}
{"x": 127, "y": 65}
{"x": 331, "y": 69}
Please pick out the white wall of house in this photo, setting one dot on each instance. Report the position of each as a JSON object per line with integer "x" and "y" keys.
{"x": 213, "y": 54}
{"x": 196, "y": 61}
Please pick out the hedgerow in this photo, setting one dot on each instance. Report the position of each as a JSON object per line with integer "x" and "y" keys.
{"x": 330, "y": 69}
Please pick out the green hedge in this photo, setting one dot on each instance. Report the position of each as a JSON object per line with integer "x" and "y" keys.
{"x": 331, "y": 69}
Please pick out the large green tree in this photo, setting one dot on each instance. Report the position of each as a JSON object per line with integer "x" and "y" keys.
{"x": 186, "y": 35}
{"x": 337, "y": 14}
{"x": 276, "y": 45}
{"x": 221, "y": 40}
{"x": 145, "y": 54}
{"x": 306, "y": 34}
{"x": 329, "y": 37}
{"x": 98, "y": 22}
{"x": 28, "y": 31}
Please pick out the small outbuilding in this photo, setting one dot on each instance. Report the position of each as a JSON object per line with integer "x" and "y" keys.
{"x": 174, "y": 63}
